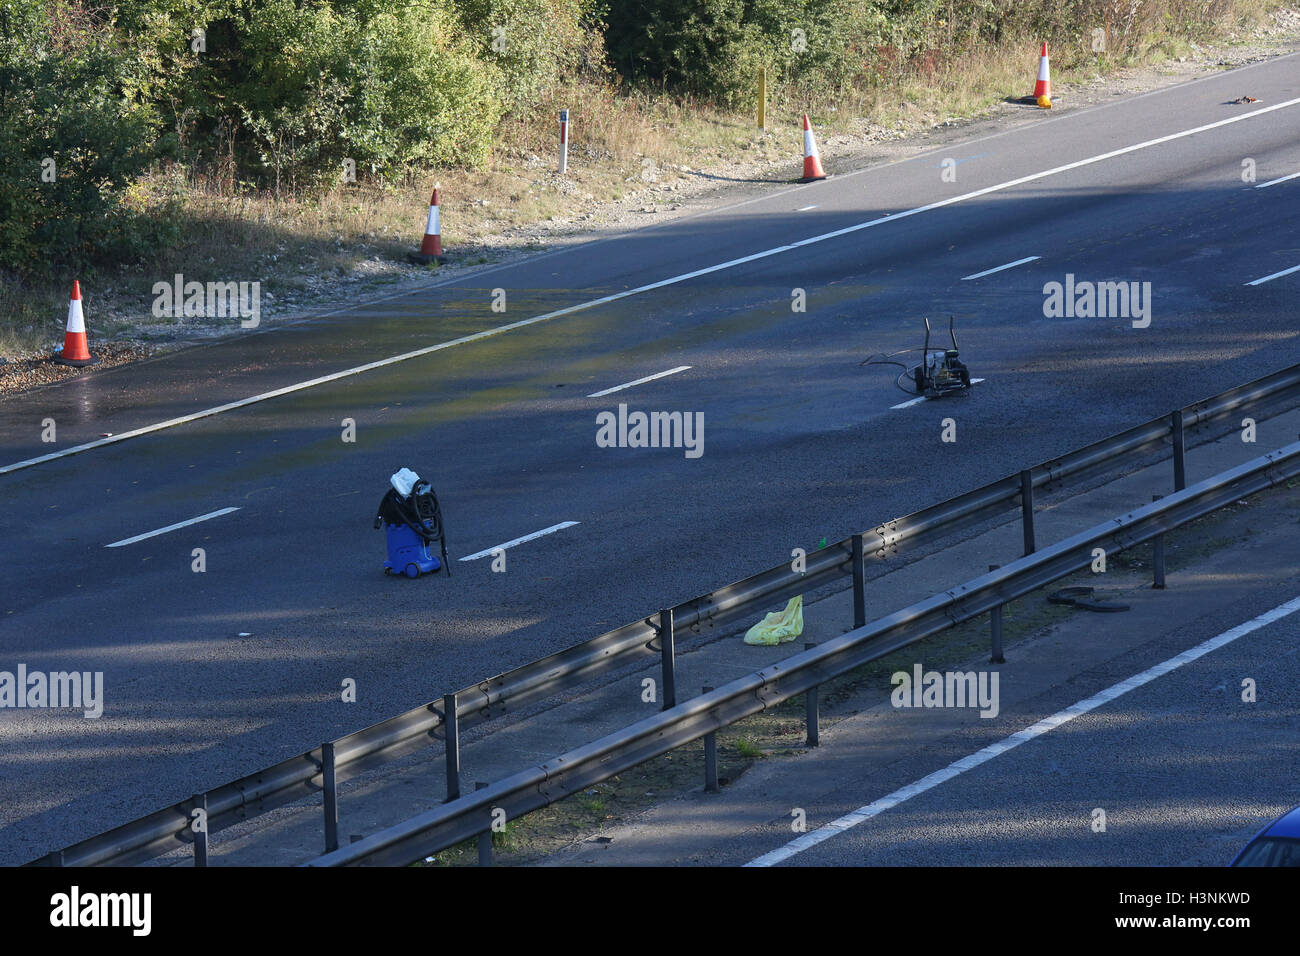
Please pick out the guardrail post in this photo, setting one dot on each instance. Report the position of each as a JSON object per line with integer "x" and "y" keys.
{"x": 201, "y": 834}
{"x": 451, "y": 730}
{"x": 331, "y": 797}
{"x": 811, "y": 713}
{"x": 1027, "y": 509}
{"x": 995, "y": 625}
{"x": 484, "y": 839}
{"x": 668, "y": 658}
{"x": 859, "y": 583}
{"x": 1158, "y": 557}
{"x": 710, "y": 758}
{"x": 1180, "y": 450}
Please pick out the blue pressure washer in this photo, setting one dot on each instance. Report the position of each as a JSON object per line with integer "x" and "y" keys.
{"x": 412, "y": 522}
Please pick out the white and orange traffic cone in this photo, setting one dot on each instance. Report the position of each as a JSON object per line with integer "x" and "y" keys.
{"x": 75, "y": 351}
{"x": 812, "y": 163}
{"x": 431, "y": 247}
{"x": 1043, "y": 88}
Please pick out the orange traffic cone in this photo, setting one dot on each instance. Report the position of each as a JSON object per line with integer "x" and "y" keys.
{"x": 812, "y": 164}
{"x": 431, "y": 247}
{"x": 75, "y": 349}
{"x": 1043, "y": 88}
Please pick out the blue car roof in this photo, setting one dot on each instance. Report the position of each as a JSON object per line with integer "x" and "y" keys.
{"x": 1287, "y": 825}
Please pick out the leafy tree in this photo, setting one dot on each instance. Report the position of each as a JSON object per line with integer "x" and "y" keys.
{"x": 71, "y": 144}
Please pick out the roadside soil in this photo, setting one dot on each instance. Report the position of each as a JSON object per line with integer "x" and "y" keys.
{"x": 601, "y": 813}
{"x": 600, "y": 197}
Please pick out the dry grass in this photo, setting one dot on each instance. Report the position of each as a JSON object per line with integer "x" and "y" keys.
{"x": 354, "y": 238}
{"x": 780, "y": 731}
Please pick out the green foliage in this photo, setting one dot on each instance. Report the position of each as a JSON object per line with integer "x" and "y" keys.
{"x": 290, "y": 96}
{"x": 417, "y": 93}
{"x": 279, "y": 93}
{"x": 385, "y": 84}
{"x": 715, "y": 47}
{"x": 819, "y": 48}
{"x": 534, "y": 43}
{"x": 70, "y": 143}
{"x": 678, "y": 43}
{"x": 164, "y": 71}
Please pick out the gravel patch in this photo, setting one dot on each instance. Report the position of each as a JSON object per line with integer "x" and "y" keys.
{"x": 31, "y": 371}
{"x": 666, "y": 192}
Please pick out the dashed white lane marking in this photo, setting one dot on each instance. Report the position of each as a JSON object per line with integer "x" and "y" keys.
{"x": 171, "y": 527}
{"x": 1009, "y": 265}
{"x": 649, "y": 287}
{"x": 850, "y": 820}
{"x": 528, "y": 537}
{"x": 806, "y": 208}
{"x": 1275, "y": 275}
{"x": 1274, "y": 182}
{"x": 639, "y": 381}
{"x": 921, "y": 398}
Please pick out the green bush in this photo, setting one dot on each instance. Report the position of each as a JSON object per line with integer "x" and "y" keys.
{"x": 385, "y": 83}
{"x": 535, "y": 43}
{"x": 818, "y": 48}
{"x": 715, "y": 47}
{"x": 417, "y": 95}
{"x": 70, "y": 143}
{"x": 677, "y": 43}
{"x": 289, "y": 97}
{"x": 285, "y": 90}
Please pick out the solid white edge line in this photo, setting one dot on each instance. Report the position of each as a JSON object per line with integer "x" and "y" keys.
{"x": 1009, "y": 265}
{"x": 766, "y": 197}
{"x": 850, "y": 820}
{"x": 528, "y": 537}
{"x": 649, "y": 287}
{"x": 639, "y": 381}
{"x": 171, "y": 527}
{"x": 1275, "y": 275}
{"x": 1274, "y": 182}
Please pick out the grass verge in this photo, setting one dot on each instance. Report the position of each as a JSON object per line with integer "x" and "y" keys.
{"x": 780, "y": 731}
{"x": 628, "y": 145}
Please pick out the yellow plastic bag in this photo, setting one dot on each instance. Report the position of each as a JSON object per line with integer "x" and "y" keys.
{"x": 779, "y": 627}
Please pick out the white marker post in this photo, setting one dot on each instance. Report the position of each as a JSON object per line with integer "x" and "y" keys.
{"x": 564, "y": 140}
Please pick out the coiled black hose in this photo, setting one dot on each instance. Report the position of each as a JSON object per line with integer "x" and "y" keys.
{"x": 420, "y": 512}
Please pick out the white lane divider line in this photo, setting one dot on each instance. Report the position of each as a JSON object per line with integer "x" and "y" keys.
{"x": 1009, "y": 265}
{"x": 528, "y": 537}
{"x": 1275, "y": 275}
{"x": 969, "y": 762}
{"x": 922, "y": 398}
{"x": 806, "y": 208}
{"x": 650, "y": 286}
{"x": 1274, "y": 182}
{"x": 908, "y": 404}
{"x": 171, "y": 527}
{"x": 639, "y": 381}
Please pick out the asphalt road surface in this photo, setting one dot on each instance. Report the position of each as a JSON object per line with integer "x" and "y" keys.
{"x": 1172, "y": 772}
{"x": 215, "y": 674}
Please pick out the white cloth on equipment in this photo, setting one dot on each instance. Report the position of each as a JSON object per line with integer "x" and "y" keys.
{"x": 404, "y": 481}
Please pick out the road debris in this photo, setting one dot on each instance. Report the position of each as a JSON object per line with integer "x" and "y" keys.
{"x": 1083, "y": 598}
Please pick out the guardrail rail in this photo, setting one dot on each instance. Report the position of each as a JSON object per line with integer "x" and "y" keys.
{"x": 320, "y": 769}
{"x": 570, "y": 773}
